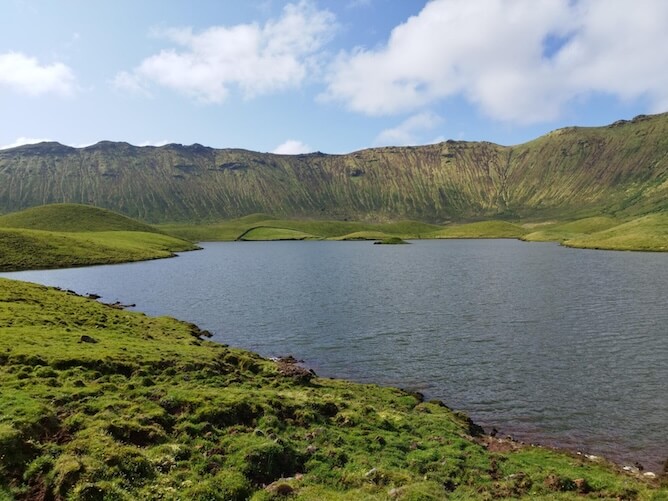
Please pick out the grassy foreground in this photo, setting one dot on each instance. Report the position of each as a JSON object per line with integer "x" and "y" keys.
{"x": 65, "y": 235}
{"x": 102, "y": 403}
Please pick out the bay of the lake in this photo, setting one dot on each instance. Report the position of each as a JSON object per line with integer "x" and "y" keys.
{"x": 561, "y": 346}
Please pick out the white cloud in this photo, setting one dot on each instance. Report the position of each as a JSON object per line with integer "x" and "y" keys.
{"x": 22, "y": 141}
{"x": 409, "y": 131}
{"x": 253, "y": 58}
{"x": 515, "y": 61}
{"x": 25, "y": 75}
{"x": 292, "y": 147}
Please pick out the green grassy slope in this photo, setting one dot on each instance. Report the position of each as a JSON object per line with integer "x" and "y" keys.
{"x": 34, "y": 249}
{"x": 649, "y": 233}
{"x": 621, "y": 170}
{"x": 564, "y": 231}
{"x": 72, "y": 218}
{"x": 102, "y": 403}
{"x": 646, "y": 233}
{"x": 79, "y": 236}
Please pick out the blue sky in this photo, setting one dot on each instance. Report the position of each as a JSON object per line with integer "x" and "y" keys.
{"x": 332, "y": 76}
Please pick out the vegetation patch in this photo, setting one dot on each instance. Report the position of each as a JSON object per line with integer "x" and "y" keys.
{"x": 154, "y": 411}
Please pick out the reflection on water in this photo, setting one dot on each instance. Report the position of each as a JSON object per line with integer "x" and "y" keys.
{"x": 546, "y": 343}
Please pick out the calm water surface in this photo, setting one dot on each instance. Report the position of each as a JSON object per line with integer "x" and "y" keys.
{"x": 561, "y": 346}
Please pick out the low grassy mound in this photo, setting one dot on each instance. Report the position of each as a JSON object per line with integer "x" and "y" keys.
{"x": 267, "y": 233}
{"x": 102, "y": 403}
{"x": 72, "y": 218}
{"x": 648, "y": 233}
{"x": 563, "y": 231}
{"x": 33, "y": 249}
{"x": 64, "y": 235}
{"x": 482, "y": 229}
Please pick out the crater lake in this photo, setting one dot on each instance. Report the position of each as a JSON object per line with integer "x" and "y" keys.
{"x": 547, "y": 344}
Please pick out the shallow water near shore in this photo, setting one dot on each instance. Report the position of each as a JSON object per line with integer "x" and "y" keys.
{"x": 560, "y": 346}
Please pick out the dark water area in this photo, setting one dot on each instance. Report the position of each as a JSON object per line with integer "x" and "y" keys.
{"x": 548, "y": 344}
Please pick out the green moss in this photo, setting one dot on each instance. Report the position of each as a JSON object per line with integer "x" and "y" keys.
{"x": 228, "y": 485}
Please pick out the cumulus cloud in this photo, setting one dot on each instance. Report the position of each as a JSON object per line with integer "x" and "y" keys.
{"x": 514, "y": 60}
{"x": 256, "y": 59}
{"x": 22, "y": 141}
{"x": 26, "y": 75}
{"x": 410, "y": 131}
{"x": 292, "y": 147}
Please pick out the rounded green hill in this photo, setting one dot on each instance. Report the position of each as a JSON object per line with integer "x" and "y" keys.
{"x": 72, "y": 218}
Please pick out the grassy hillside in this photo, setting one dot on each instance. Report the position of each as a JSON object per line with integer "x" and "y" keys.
{"x": 34, "y": 249}
{"x": 72, "y": 218}
{"x": 58, "y": 236}
{"x": 564, "y": 231}
{"x": 619, "y": 170}
{"x": 649, "y": 233}
{"x": 102, "y": 403}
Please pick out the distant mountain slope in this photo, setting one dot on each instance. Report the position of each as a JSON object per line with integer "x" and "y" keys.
{"x": 621, "y": 169}
{"x": 72, "y": 218}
